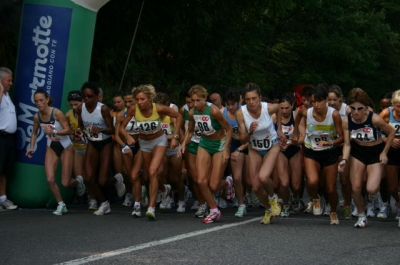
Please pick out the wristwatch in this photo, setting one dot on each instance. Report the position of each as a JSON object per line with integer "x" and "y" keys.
{"x": 176, "y": 136}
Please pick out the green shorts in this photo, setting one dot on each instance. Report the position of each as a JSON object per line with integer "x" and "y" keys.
{"x": 212, "y": 146}
{"x": 192, "y": 148}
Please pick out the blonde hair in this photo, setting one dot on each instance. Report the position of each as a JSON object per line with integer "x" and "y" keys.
{"x": 396, "y": 96}
{"x": 199, "y": 91}
{"x": 148, "y": 90}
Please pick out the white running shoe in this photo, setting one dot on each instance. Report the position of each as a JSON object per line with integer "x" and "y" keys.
{"x": 222, "y": 203}
{"x": 119, "y": 185}
{"x": 370, "y": 210}
{"x": 61, "y": 208}
{"x": 285, "y": 211}
{"x": 93, "y": 205}
{"x": 151, "y": 215}
{"x": 80, "y": 188}
{"x": 317, "y": 209}
{"x": 103, "y": 209}
{"x": 362, "y": 222}
{"x": 383, "y": 211}
{"x": 137, "y": 211}
{"x": 230, "y": 190}
{"x": 165, "y": 198}
{"x": 181, "y": 207}
{"x": 128, "y": 200}
{"x": 195, "y": 206}
{"x": 309, "y": 208}
{"x": 144, "y": 200}
{"x": 9, "y": 205}
{"x": 327, "y": 210}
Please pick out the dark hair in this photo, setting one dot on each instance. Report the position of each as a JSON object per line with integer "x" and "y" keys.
{"x": 251, "y": 87}
{"x": 287, "y": 97}
{"x": 232, "y": 94}
{"x": 387, "y": 95}
{"x": 359, "y": 95}
{"x": 46, "y": 95}
{"x": 274, "y": 94}
{"x": 127, "y": 92}
{"x": 162, "y": 98}
{"x": 75, "y": 95}
{"x": 117, "y": 94}
{"x": 336, "y": 90}
{"x": 92, "y": 86}
{"x": 320, "y": 92}
{"x": 307, "y": 91}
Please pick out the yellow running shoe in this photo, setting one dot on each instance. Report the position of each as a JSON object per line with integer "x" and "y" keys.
{"x": 275, "y": 206}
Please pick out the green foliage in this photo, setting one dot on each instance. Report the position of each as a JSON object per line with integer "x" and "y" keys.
{"x": 219, "y": 44}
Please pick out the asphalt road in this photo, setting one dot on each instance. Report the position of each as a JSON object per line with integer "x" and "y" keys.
{"x": 35, "y": 236}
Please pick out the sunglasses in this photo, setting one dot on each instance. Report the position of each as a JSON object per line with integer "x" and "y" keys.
{"x": 88, "y": 96}
{"x": 357, "y": 108}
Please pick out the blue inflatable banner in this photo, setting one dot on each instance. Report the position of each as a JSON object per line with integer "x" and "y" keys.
{"x": 41, "y": 65}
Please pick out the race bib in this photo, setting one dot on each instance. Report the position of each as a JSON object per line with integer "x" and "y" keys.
{"x": 203, "y": 122}
{"x": 363, "y": 134}
{"x": 92, "y": 136}
{"x": 148, "y": 127}
{"x": 51, "y": 137}
{"x": 396, "y": 127}
{"x": 263, "y": 144}
{"x": 131, "y": 128}
{"x": 166, "y": 127}
{"x": 316, "y": 138}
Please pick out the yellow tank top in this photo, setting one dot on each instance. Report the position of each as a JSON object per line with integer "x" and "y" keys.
{"x": 73, "y": 122}
{"x": 148, "y": 125}
{"x": 167, "y": 126}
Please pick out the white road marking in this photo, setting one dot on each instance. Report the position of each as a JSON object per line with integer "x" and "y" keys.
{"x": 154, "y": 243}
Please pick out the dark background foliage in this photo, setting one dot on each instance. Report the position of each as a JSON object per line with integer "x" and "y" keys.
{"x": 228, "y": 43}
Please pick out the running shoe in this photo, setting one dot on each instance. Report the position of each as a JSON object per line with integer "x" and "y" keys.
{"x": 144, "y": 200}
{"x": 383, "y": 211}
{"x": 254, "y": 197}
{"x": 370, "y": 210}
{"x": 230, "y": 191}
{"x": 61, "y": 208}
{"x": 334, "y": 218}
{"x": 213, "y": 217}
{"x": 317, "y": 210}
{"x": 222, "y": 203}
{"x": 327, "y": 210}
{"x": 151, "y": 215}
{"x": 128, "y": 200}
{"x": 103, "y": 209}
{"x": 9, "y": 205}
{"x": 181, "y": 207}
{"x": 249, "y": 201}
{"x": 119, "y": 185}
{"x": 268, "y": 217}
{"x": 310, "y": 206}
{"x": 347, "y": 212}
{"x": 165, "y": 198}
{"x": 195, "y": 206}
{"x": 188, "y": 194}
{"x": 275, "y": 206}
{"x": 362, "y": 222}
{"x": 93, "y": 205}
{"x": 235, "y": 202}
{"x": 201, "y": 212}
{"x": 285, "y": 211}
{"x": 241, "y": 211}
{"x": 80, "y": 188}
{"x": 137, "y": 211}
{"x": 296, "y": 206}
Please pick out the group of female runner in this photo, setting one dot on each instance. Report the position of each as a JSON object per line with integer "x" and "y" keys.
{"x": 261, "y": 144}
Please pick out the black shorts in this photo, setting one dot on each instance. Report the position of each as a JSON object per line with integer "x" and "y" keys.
{"x": 291, "y": 151}
{"x": 7, "y": 154}
{"x": 367, "y": 155}
{"x": 135, "y": 148}
{"x": 235, "y": 144}
{"x": 393, "y": 157}
{"x": 57, "y": 147}
{"x": 99, "y": 145}
{"x": 324, "y": 158}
